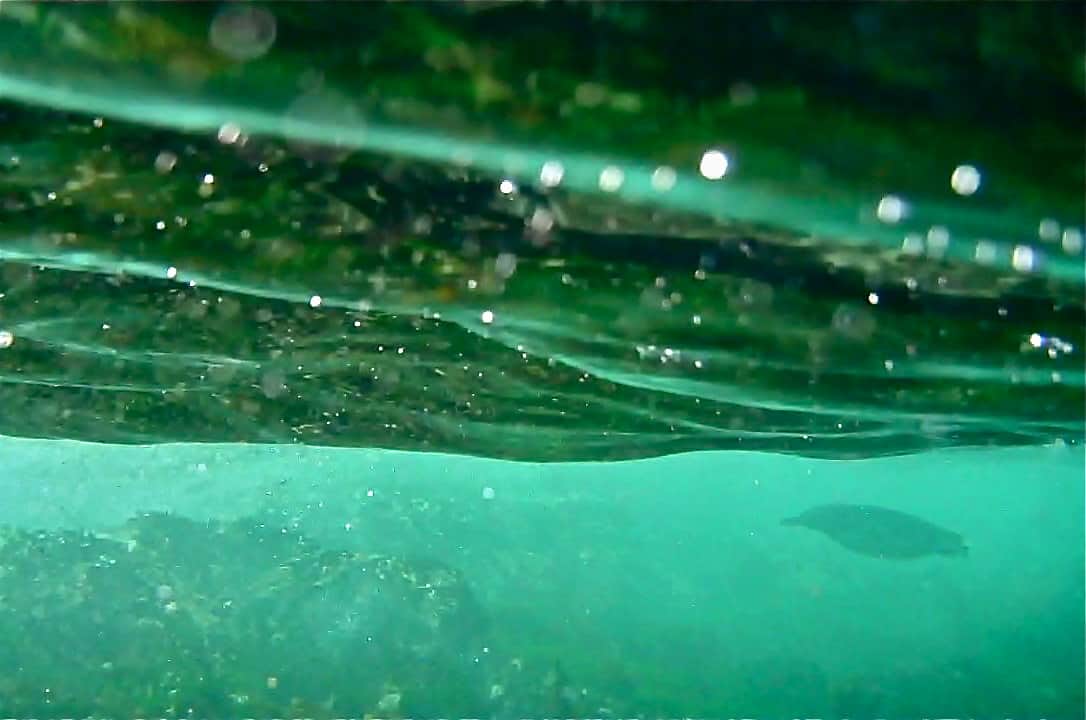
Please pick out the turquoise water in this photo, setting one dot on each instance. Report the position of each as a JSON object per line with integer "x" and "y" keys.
{"x": 466, "y": 360}
{"x": 666, "y": 586}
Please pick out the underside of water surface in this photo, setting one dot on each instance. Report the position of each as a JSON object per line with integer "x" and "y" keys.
{"x": 458, "y": 229}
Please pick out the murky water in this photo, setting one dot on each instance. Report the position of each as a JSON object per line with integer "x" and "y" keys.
{"x": 464, "y": 360}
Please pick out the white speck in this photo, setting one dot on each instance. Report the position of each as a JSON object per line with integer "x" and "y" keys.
{"x": 229, "y": 134}
{"x": 891, "y": 209}
{"x": 487, "y": 317}
{"x": 315, "y": 301}
{"x": 696, "y": 319}
{"x": 1023, "y": 259}
{"x": 542, "y": 220}
{"x": 160, "y": 225}
{"x": 714, "y": 165}
{"x": 1072, "y": 241}
{"x": 985, "y": 253}
{"x": 873, "y": 298}
{"x": 913, "y": 244}
{"x": 507, "y": 187}
{"x": 663, "y": 178}
{"x": 369, "y": 493}
{"x": 171, "y": 272}
{"x": 1049, "y": 229}
{"x": 698, "y": 364}
{"x": 505, "y": 264}
{"x": 243, "y": 32}
{"x": 488, "y": 493}
{"x": 938, "y": 239}
{"x": 208, "y": 179}
{"x": 965, "y": 180}
{"x": 1036, "y": 340}
{"x": 611, "y": 178}
{"x": 889, "y": 365}
{"x": 550, "y": 175}
{"x": 165, "y": 161}
{"x": 6, "y": 339}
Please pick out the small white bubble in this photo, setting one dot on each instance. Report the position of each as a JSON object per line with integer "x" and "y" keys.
{"x": 912, "y": 244}
{"x": 229, "y": 134}
{"x": 985, "y": 252}
{"x": 1023, "y": 258}
{"x": 1072, "y": 241}
{"x": 507, "y": 187}
{"x": 487, "y": 317}
{"x": 1048, "y": 229}
{"x": 873, "y": 298}
{"x": 663, "y": 178}
{"x": 242, "y": 32}
{"x": 208, "y": 179}
{"x": 938, "y": 239}
{"x": 713, "y": 165}
{"x": 160, "y": 225}
{"x": 171, "y": 272}
{"x": 165, "y": 162}
{"x": 505, "y": 264}
{"x": 965, "y": 180}
{"x": 6, "y": 339}
{"x": 891, "y": 209}
{"x": 1036, "y": 340}
{"x": 542, "y": 220}
{"x": 315, "y": 301}
{"x": 488, "y": 493}
{"x": 611, "y": 178}
{"x": 550, "y": 175}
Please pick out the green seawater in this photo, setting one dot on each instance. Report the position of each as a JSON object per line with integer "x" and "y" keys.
{"x": 467, "y": 359}
{"x": 662, "y": 587}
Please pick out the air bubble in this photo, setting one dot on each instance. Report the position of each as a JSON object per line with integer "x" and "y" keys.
{"x": 714, "y": 165}
{"x": 243, "y": 32}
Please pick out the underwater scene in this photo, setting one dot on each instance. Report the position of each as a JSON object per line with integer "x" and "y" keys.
{"x": 542, "y": 359}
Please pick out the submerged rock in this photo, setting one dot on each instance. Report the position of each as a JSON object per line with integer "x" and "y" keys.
{"x": 169, "y": 616}
{"x": 880, "y": 532}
